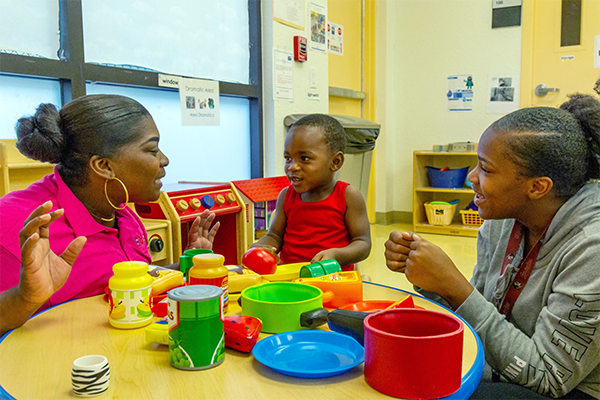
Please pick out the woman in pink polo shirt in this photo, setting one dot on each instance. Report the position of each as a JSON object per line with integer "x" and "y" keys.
{"x": 60, "y": 237}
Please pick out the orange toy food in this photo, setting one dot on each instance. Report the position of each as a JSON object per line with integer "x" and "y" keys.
{"x": 338, "y": 288}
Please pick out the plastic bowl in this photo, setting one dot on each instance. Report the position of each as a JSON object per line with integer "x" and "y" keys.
{"x": 369, "y": 305}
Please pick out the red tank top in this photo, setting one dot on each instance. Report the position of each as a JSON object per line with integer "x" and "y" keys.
{"x": 312, "y": 227}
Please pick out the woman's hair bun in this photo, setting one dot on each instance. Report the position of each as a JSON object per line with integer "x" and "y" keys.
{"x": 39, "y": 136}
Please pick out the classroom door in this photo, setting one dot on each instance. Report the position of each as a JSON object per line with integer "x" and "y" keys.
{"x": 558, "y": 50}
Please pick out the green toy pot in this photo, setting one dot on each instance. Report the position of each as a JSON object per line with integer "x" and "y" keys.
{"x": 284, "y": 306}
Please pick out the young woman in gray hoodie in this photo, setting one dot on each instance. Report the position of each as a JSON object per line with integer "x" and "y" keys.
{"x": 534, "y": 299}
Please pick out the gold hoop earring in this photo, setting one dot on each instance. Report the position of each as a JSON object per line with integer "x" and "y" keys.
{"x": 124, "y": 188}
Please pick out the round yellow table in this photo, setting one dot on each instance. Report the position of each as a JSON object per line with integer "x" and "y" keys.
{"x": 37, "y": 359}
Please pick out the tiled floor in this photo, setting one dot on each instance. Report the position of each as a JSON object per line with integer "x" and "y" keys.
{"x": 462, "y": 250}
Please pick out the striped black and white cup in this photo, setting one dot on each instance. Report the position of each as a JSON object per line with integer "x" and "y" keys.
{"x": 90, "y": 376}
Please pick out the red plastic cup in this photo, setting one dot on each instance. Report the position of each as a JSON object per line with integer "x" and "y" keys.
{"x": 413, "y": 353}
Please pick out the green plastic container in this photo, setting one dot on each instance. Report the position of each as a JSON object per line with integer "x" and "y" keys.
{"x": 185, "y": 260}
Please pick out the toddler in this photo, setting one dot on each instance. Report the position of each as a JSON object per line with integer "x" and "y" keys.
{"x": 316, "y": 217}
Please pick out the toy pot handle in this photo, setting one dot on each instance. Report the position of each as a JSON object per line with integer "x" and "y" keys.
{"x": 313, "y": 318}
{"x": 351, "y": 323}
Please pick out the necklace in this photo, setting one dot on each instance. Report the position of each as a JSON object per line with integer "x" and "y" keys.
{"x": 103, "y": 219}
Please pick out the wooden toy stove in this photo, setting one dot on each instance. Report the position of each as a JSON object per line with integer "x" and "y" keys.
{"x": 182, "y": 202}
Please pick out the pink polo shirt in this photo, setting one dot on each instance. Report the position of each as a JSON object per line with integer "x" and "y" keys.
{"x": 104, "y": 247}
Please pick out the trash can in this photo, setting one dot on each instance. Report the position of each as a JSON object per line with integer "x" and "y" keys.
{"x": 361, "y": 135}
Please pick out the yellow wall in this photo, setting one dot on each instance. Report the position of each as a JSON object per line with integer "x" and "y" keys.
{"x": 346, "y": 71}
{"x": 369, "y": 87}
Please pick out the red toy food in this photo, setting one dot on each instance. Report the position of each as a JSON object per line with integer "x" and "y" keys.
{"x": 406, "y": 302}
{"x": 260, "y": 261}
{"x": 241, "y": 332}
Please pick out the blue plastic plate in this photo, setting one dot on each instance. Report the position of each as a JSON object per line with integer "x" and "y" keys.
{"x": 309, "y": 354}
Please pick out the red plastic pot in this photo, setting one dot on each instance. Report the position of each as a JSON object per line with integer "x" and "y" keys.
{"x": 413, "y": 353}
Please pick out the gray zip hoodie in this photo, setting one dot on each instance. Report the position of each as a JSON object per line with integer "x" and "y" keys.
{"x": 552, "y": 342}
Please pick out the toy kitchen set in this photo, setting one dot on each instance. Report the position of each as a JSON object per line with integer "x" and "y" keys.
{"x": 179, "y": 205}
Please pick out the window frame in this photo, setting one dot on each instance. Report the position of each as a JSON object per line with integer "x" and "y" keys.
{"x": 73, "y": 73}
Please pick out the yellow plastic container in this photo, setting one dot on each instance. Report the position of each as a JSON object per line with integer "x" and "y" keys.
{"x": 470, "y": 217}
{"x": 209, "y": 269}
{"x": 130, "y": 288}
{"x": 240, "y": 278}
{"x": 285, "y": 272}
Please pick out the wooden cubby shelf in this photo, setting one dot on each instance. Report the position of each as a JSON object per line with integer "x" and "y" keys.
{"x": 424, "y": 192}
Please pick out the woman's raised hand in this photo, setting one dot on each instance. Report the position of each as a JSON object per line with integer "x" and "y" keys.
{"x": 201, "y": 235}
{"x": 42, "y": 271}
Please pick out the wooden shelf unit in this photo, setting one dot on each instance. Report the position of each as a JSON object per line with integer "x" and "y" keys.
{"x": 17, "y": 171}
{"x": 424, "y": 192}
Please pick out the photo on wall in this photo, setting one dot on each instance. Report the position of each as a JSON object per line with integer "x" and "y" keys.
{"x": 503, "y": 94}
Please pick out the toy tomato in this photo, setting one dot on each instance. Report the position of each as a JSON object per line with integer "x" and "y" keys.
{"x": 260, "y": 261}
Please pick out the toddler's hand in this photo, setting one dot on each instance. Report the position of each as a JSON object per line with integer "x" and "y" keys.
{"x": 328, "y": 254}
{"x": 268, "y": 248}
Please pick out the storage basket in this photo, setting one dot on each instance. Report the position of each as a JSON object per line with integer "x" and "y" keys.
{"x": 470, "y": 217}
{"x": 449, "y": 179}
{"x": 440, "y": 214}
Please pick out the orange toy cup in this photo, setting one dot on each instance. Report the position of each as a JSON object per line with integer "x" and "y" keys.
{"x": 413, "y": 353}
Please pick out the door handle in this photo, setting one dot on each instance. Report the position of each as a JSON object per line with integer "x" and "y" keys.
{"x": 542, "y": 90}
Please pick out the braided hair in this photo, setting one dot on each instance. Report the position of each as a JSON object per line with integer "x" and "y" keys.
{"x": 560, "y": 143}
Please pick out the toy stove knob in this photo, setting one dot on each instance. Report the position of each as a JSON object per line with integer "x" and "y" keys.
{"x": 219, "y": 199}
{"x": 207, "y": 201}
{"x": 182, "y": 205}
{"x": 230, "y": 197}
{"x": 156, "y": 245}
{"x": 195, "y": 203}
